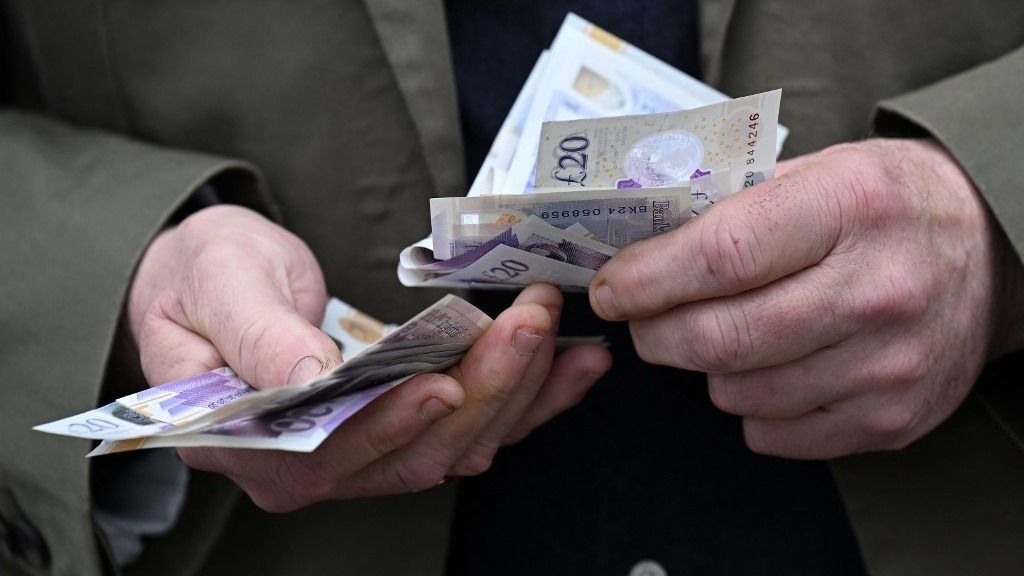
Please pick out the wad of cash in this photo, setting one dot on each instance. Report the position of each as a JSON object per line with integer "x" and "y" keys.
{"x": 217, "y": 408}
{"x": 604, "y": 146}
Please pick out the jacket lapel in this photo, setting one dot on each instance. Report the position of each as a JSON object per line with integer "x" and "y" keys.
{"x": 714, "y": 22}
{"x": 415, "y": 38}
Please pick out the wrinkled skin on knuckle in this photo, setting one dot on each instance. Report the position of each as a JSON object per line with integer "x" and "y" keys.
{"x": 897, "y": 198}
{"x": 892, "y": 295}
{"x": 719, "y": 339}
{"x": 861, "y": 184}
{"x": 730, "y": 249}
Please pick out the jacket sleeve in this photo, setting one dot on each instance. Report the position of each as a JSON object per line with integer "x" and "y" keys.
{"x": 979, "y": 117}
{"x": 77, "y": 209}
{"x": 950, "y": 503}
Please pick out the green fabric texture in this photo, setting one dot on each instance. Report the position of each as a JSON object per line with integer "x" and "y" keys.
{"x": 78, "y": 208}
{"x": 977, "y": 116}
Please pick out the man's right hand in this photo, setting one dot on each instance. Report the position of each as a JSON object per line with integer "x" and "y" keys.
{"x": 228, "y": 287}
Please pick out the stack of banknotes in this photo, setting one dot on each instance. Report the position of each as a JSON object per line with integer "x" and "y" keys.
{"x": 217, "y": 408}
{"x": 605, "y": 145}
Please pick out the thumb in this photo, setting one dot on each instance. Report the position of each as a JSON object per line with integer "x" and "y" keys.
{"x": 248, "y": 324}
{"x": 268, "y": 345}
{"x": 261, "y": 335}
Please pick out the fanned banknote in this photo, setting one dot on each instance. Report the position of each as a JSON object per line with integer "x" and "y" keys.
{"x": 298, "y": 429}
{"x": 351, "y": 329}
{"x": 615, "y": 217}
{"x": 530, "y": 251}
{"x": 529, "y": 235}
{"x": 218, "y": 408}
{"x": 504, "y": 268}
{"x": 590, "y": 73}
{"x": 665, "y": 149}
{"x": 491, "y": 176}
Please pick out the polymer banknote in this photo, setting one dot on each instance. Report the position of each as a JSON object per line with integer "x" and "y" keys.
{"x": 665, "y": 149}
{"x": 591, "y": 73}
{"x": 614, "y": 217}
{"x": 529, "y": 250}
{"x": 530, "y": 235}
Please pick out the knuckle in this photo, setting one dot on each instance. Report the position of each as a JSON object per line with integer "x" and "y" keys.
{"x": 199, "y": 459}
{"x": 632, "y": 273}
{"x": 724, "y": 395}
{"x": 515, "y": 437}
{"x": 423, "y": 469}
{"x": 648, "y": 354}
{"x": 477, "y": 459}
{"x": 866, "y": 178}
{"x": 647, "y": 345}
{"x": 899, "y": 442}
{"x": 416, "y": 478}
{"x": 658, "y": 340}
{"x": 758, "y": 441}
{"x": 273, "y": 501}
{"x": 218, "y": 255}
{"x": 892, "y": 424}
{"x": 907, "y": 370}
{"x": 303, "y": 480}
{"x": 573, "y": 396}
{"x": 720, "y": 339}
{"x": 895, "y": 295}
{"x": 730, "y": 249}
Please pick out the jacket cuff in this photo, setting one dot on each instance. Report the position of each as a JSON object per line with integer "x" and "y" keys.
{"x": 977, "y": 116}
{"x": 79, "y": 209}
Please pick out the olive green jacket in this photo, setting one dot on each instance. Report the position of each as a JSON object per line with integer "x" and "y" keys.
{"x": 339, "y": 118}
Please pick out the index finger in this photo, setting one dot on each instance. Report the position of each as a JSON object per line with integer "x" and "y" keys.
{"x": 748, "y": 240}
{"x": 490, "y": 373}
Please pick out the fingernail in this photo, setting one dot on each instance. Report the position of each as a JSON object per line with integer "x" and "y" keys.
{"x": 606, "y": 301}
{"x": 304, "y": 371}
{"x": 526, "y": 340}
{"x": 434, "y": 409}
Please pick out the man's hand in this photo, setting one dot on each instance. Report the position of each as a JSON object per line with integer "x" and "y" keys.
{"x": 847, "y": 306}
{"x": 229, "y": 287}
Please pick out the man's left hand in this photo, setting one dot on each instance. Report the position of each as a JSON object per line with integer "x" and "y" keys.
{"x": 847, "y": 306}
